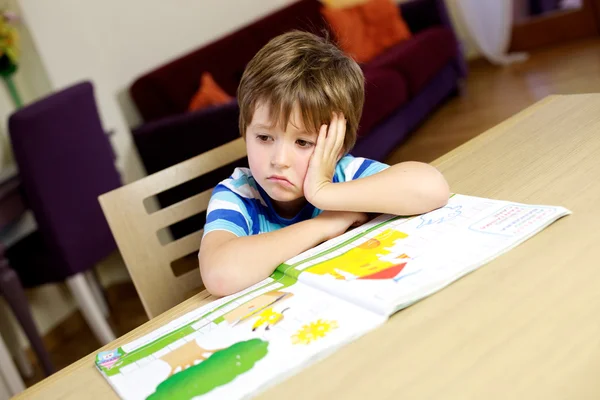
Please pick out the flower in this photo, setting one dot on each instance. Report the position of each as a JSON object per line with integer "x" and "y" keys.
{"x": 9, "y": 49}
{"x": 313, "y": 331}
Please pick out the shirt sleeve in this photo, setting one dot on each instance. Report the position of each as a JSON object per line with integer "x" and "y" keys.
{"x": 350, "y": 168}
{"x": 227, "y": 211}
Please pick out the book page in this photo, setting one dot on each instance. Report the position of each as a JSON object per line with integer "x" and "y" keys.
{"x": 236, "y": 346}
{"x": 393, "y": 262}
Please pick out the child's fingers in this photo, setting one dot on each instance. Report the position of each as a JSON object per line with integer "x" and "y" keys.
{"x": 321, "y": 142}
{"x": 332, "y": 136}
{"x": 341, "y": 135}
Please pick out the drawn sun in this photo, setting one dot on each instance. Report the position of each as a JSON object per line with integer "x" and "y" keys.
{"x": 313, "y": 331}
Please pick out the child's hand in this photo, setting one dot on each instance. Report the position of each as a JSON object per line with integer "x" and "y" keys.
{"x": 338, "y": 222}
{"x": 327, "y": 153}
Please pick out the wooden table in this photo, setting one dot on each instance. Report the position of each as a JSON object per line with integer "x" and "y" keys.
{"x": 525, "y": 326}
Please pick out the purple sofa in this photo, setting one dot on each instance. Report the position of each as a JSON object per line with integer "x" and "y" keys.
{"x": 403, "y": 85}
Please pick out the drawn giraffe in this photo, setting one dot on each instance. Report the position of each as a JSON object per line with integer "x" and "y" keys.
{"x": 268, "y": 317}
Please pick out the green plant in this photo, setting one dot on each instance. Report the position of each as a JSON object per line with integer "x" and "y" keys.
{"x": 9, "y": 53}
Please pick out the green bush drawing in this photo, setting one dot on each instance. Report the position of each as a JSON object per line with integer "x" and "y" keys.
{"x": 219, "y": 369}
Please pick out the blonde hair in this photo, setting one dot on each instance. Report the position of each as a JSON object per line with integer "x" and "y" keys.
{"x": 300, "y": 68}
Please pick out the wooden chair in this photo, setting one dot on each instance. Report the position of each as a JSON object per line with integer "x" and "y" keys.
{"x": 136, "y": 230}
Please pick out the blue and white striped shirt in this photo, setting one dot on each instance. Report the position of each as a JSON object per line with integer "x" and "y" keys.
{"x": 240, "y": 206}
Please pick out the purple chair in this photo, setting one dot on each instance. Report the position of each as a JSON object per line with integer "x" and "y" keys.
{"x": 65, "y": 162}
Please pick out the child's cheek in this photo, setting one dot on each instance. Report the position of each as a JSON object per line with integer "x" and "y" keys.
{"x": 303, "y": 169}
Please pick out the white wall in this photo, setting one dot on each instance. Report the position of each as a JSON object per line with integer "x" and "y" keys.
{"x": 31, "y": 80}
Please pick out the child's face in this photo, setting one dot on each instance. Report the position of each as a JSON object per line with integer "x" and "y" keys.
{"x": 279, "y": 159}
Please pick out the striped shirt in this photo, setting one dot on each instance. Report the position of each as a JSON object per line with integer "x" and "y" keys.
{"x": 240, "y": 206}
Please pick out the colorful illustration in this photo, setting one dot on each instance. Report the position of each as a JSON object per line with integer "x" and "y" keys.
{"x": 313, "y": 331}
{"x": 255, "y": 306}
{"x": 220, "y": 368}
{"x": 268, "y": 317}
{"x": 107, "y": 359}
{"x": 366, "y": 261}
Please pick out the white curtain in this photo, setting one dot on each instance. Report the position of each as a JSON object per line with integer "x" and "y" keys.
{"x": 488, "y": 23}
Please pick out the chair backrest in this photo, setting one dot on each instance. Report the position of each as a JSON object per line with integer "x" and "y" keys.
{"x": 137, "y": 229}
{"x": 65, "y": 162}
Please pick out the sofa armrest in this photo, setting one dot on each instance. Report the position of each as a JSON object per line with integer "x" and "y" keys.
{"x": 171, "y": 140}
{"x": 423, "y": 14}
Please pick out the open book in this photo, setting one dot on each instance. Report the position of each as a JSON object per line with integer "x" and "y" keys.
{"x": 237, "y": 346}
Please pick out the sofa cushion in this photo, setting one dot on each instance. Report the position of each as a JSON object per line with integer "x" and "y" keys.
{"x": 385, "y": 91}
{"x": 366, "y": 30}
{"x": 351, "y": 32}
{"x": 385, "y": 19}
{"x": 419, "y": 58}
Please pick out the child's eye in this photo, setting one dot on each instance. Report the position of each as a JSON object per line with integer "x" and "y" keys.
{"x": 303, "y": 143}
{"x": 263, "y": 138}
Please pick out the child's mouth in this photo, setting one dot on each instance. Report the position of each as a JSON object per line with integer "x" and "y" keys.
{"x": 280, "y": 179}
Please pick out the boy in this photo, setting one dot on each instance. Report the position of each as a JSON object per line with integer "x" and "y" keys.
{"x": 300, "y": 100}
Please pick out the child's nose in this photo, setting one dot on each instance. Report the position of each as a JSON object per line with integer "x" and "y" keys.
{"x": 281, "y": 157}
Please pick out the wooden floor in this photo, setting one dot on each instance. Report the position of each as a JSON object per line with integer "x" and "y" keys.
{"x": 73, "y": 338}
{"x": 491, "y": 94}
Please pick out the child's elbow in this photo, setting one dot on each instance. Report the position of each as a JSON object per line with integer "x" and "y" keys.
{"x": 440, "y": 193}
{"x": 435, "y": 191}
{"x": 215, "y": 285}
{"x": 214, "y": 281}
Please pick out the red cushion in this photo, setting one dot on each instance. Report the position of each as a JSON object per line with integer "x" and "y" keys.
{"x": 385, "y": 91}
{"x": 420, "y": 58}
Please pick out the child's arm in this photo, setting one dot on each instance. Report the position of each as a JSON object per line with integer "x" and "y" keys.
{"x": 407, "y": 188}
{"x": 229, "y": 263}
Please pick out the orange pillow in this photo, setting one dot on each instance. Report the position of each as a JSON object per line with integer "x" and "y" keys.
{"x": 383, "y": 16}
{"x": 209, "y": 94}
{"x": 366, "y": 30}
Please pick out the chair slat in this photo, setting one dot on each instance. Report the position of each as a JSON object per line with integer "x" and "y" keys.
{"x": 135, "y": 230}
{"x": 182, "y": 210}
{"x": 184, "y": 246}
